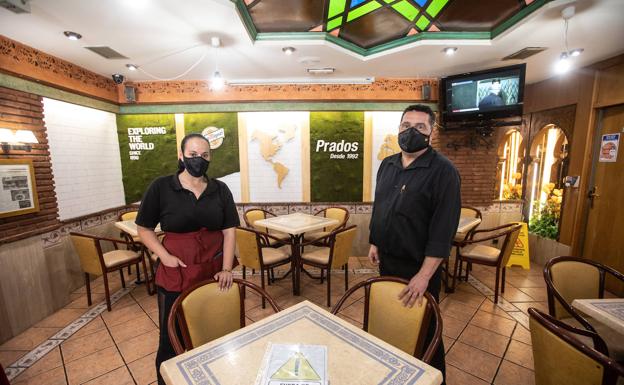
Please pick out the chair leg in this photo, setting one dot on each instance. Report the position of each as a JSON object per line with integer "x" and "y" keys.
{"x": 88, "y": 285}
{"x": 123, "y": 281}
{"x": 244, "y": 276}
{"x": 346, "y": 269}
{"x": 147, "y": 284}
{"x": 322, "y": 276}
{"x": 468, "y": 269}
{"x": 138, "y": 277}
{"x": 496, "y": 285}
{"x": 503, "y": 281}
{"x": 262, "y": 285}
{"x": 457, "y": 262}
{"x": 130, "y": 269}
{"x": 328, "y": 287}
{"x": 106, "y": 292}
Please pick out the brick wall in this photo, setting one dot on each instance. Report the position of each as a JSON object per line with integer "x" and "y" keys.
{"x": 24, "y": 111}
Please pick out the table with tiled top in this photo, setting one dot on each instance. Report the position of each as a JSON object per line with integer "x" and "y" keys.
{"x": 609, "y": 311}
{"x": 353, "y": 356}
{"x": 129, "y": 227}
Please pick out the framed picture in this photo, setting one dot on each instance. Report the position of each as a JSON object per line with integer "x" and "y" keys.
{"x": 18, "y": 192}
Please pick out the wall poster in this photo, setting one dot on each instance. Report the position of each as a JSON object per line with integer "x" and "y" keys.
{"x": 18, "y": 192}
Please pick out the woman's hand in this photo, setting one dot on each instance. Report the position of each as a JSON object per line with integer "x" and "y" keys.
{"x": 225, "y": 279}
{"x": 171, "y": 261}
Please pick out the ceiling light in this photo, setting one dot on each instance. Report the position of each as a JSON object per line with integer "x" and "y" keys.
{"x": 326, "y": 70}
{"x": 25, "y": 136}
{"x": 217, "y": 82}
{"x": 215, "y": 42}
{"x": 288, "y": 50}
{"x": 132, "y": 67}
{"x": 576, "y": 52}
{"x": 450, "y": 50}
{"x": 563, "y": 64}
{"x": 72, "y": 35}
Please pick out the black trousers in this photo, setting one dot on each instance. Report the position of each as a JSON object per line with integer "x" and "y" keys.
{"x": 165, "y": 349}
{"x": 405, "y": 268}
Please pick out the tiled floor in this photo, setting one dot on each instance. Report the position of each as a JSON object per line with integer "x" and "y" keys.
{"x": 485, "y": 344}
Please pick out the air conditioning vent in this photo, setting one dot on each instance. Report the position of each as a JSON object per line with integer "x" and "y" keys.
{"x": 525, "y": 53}
{"x": 106, "y": 52}
{"x": 16, "y": 6}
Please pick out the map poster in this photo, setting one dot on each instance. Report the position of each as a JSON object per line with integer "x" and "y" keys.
{"x": 294, "y": 364}
{"x": 147, "y": 144}
{"x": 336, "y": 156}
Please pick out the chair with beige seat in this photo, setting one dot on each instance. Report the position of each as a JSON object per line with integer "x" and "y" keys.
{"x": 460, "y": 236}
{"x": 570, "y": 278}
{"x": 386, "y": 318}
{"x": 252, "y": 215}
{"x": 339, "y": 213}
{"x": 134, "y": 242}
{"x": 476, "y": 251}
{"x": 203, "y": 313}
{"x": 255, "y": 254}
{"x": 561, "y": 356}
{"x": 94, "y": 261}
{"x": 333, "y": 256}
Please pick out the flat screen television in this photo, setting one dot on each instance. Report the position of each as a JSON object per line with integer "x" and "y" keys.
{"x": 483, "y": 95}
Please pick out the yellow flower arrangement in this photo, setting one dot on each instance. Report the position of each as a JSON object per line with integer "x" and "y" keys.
{"x": 513, "y": 191}
{"x": 545, "y": 221}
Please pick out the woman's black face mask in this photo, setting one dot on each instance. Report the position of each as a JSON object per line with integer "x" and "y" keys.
{"x": 196, "y": 166}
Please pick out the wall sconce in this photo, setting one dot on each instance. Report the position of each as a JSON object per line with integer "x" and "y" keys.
{"x": 21, "y": 140}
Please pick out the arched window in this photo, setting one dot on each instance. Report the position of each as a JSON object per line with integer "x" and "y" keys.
{"x": 510, "y": 155}
{"x": 549, "y": 153}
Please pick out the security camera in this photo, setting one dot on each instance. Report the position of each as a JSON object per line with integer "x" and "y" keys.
{"x": 118, "y": 78}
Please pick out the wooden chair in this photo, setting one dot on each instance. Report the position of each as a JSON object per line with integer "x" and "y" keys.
{"x": 334, "y": 212}
{"x": 3, "y": 378}
{"x": 255, "y": 254}
{"x": 278, "y": 239}
{"x": 561, "y": 357}
{"x": 386, "y": 318}
{"x": 336, "y": 255}
{"x": 203, "y": 313}
{"x": 136, "y": 244}
{"x": 152, "y": 263}
{"x": 466, "y": 211}
{"x": 471, "y": 251}
{"x": 570, "y": 278}
{"x": 94, "y": 261}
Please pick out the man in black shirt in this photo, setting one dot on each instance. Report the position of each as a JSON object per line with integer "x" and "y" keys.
{"x": 415, "y": 213}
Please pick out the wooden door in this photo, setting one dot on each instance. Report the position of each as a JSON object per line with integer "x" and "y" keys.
{"x": 604, "y": 234}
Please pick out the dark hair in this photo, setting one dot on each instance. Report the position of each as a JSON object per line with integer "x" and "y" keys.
{"x": 183, "y": 145}
{"x": 421, "y": 108}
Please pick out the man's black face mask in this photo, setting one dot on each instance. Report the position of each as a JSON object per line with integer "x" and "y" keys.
{"x": 412, "y": 140}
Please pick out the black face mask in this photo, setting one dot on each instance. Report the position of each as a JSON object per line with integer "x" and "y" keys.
{"x": 412, "y": 140}
{"x": 196, "y": 166}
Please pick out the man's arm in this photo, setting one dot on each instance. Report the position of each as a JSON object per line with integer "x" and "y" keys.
{"x": 417, "y": 286}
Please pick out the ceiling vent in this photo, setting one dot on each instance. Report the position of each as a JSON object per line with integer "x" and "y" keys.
{"x": 106, "y": 52}
{"x": 16, "y": 6}
{"x": 524, "y": 53}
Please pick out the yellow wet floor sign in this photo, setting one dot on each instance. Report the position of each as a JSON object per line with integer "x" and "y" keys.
{"x": 520, "y": 252}
{"x": 296, "y": 368}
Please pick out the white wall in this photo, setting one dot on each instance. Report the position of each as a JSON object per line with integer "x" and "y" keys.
{"x": 85, "y": 158}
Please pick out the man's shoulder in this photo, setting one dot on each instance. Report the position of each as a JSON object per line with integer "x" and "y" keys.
{"x": 391, "y": 159}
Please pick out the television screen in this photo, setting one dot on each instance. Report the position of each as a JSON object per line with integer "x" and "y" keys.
{"x": 484, "y": 95}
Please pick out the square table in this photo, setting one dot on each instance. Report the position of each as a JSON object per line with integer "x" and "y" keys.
{"x": 130, "y": 228}
{"x": 296, "y": 224}
{"x": 609, "y": 311}
{"x": 353, "y": 355}
{"x": 466, "y": 223}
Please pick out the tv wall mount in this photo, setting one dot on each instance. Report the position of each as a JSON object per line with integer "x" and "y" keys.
{"x": 481, "y": 133}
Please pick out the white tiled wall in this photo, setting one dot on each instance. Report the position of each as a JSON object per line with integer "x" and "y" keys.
{"x": 85, "y": 158}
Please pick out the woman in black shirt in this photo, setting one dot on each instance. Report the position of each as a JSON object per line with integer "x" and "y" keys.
{"x": 199, "y": 219}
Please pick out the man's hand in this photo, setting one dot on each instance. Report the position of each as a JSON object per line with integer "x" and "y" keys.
{"x": 415, "y": 290}
{"x": 171, "y": 261}
{"x": 373, "y": 255}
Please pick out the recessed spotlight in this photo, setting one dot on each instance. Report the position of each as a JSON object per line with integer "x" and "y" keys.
{"x": 72, "y": 35}
{"x": 576, "y": 52}
{"x": 288, "y": 50}
{"x": 132, "y": 67}
{"x": 450, "y": 50}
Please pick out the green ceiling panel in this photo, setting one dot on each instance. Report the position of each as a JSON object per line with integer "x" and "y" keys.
{"x": 333, "y": 23}
{"x": 435, "y": 7}
{"x": 423, "y": 23}
{"x": 363, "y": 10}
{"x": 406, "y": 9}
{"x": 336, "y": 7}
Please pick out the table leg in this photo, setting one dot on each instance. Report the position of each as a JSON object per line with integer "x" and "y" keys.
{"x": 296, "y": 255}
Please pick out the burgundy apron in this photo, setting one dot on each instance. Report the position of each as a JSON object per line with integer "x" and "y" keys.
{"x": 202, "y": 253}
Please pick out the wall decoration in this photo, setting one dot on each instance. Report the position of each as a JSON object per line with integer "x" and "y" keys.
{"x": 221, "y": 129}
{"x": 336, "y": 156}
{"x": 385, "y": 140}
{"x": 18, "y": 192}
{"x": 148, "y": 150}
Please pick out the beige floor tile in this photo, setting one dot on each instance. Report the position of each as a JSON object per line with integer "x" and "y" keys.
{"x": 29, "y": 339}
{"x": 287, "y": 301}
{"x": 456, "y": 376}
{"x": 468, "y": 299}
{"x": 467, "y": 288}
{"x": 489, "y": 306}
{"x": 81, "y": 301}
{"x": 124, "y": 301}
{"x": 94, "y": 365}
{"x": 452, "y": 327}
{"x": 512, "y": 374}
{"x": 132, "y": 328}
{"x": 485, "y": 340}
{"x": 259, "y": 313}
{"x": 93, "y": 326}
{"x": 474, "y": 361}
{"x": 119, "y": 376}
{"x": 524, "y": 306}
{"x": 144, "y": 370}
{"x": 512, "y": 294}
{"x": 522, "y": 334}
{"x": 119, "y": 316}
{"x": 76, "y": 348}
{"x": 148, "y": 303}
{"x": 537, "y": 293}
{"x": 154, "y": 317}
{"x": 448, "y": 343}
{"x": 494, "y": 323}
{"x": 520, "y": 282}
{"x": 520, "y": 354}
{"x": 457, "y": 310}
{"x": 139, "y": 346}
{"x": 60, "y": 319}
{"x": 52, "y": 377}
{"x": 50, "y": 361}
{"x": 7, "y": 357}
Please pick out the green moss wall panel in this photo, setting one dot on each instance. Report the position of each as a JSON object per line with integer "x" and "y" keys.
{"x": 223, "y": 128}
{"x": 148, "y": 150}
{"x": 336, "y": 156}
